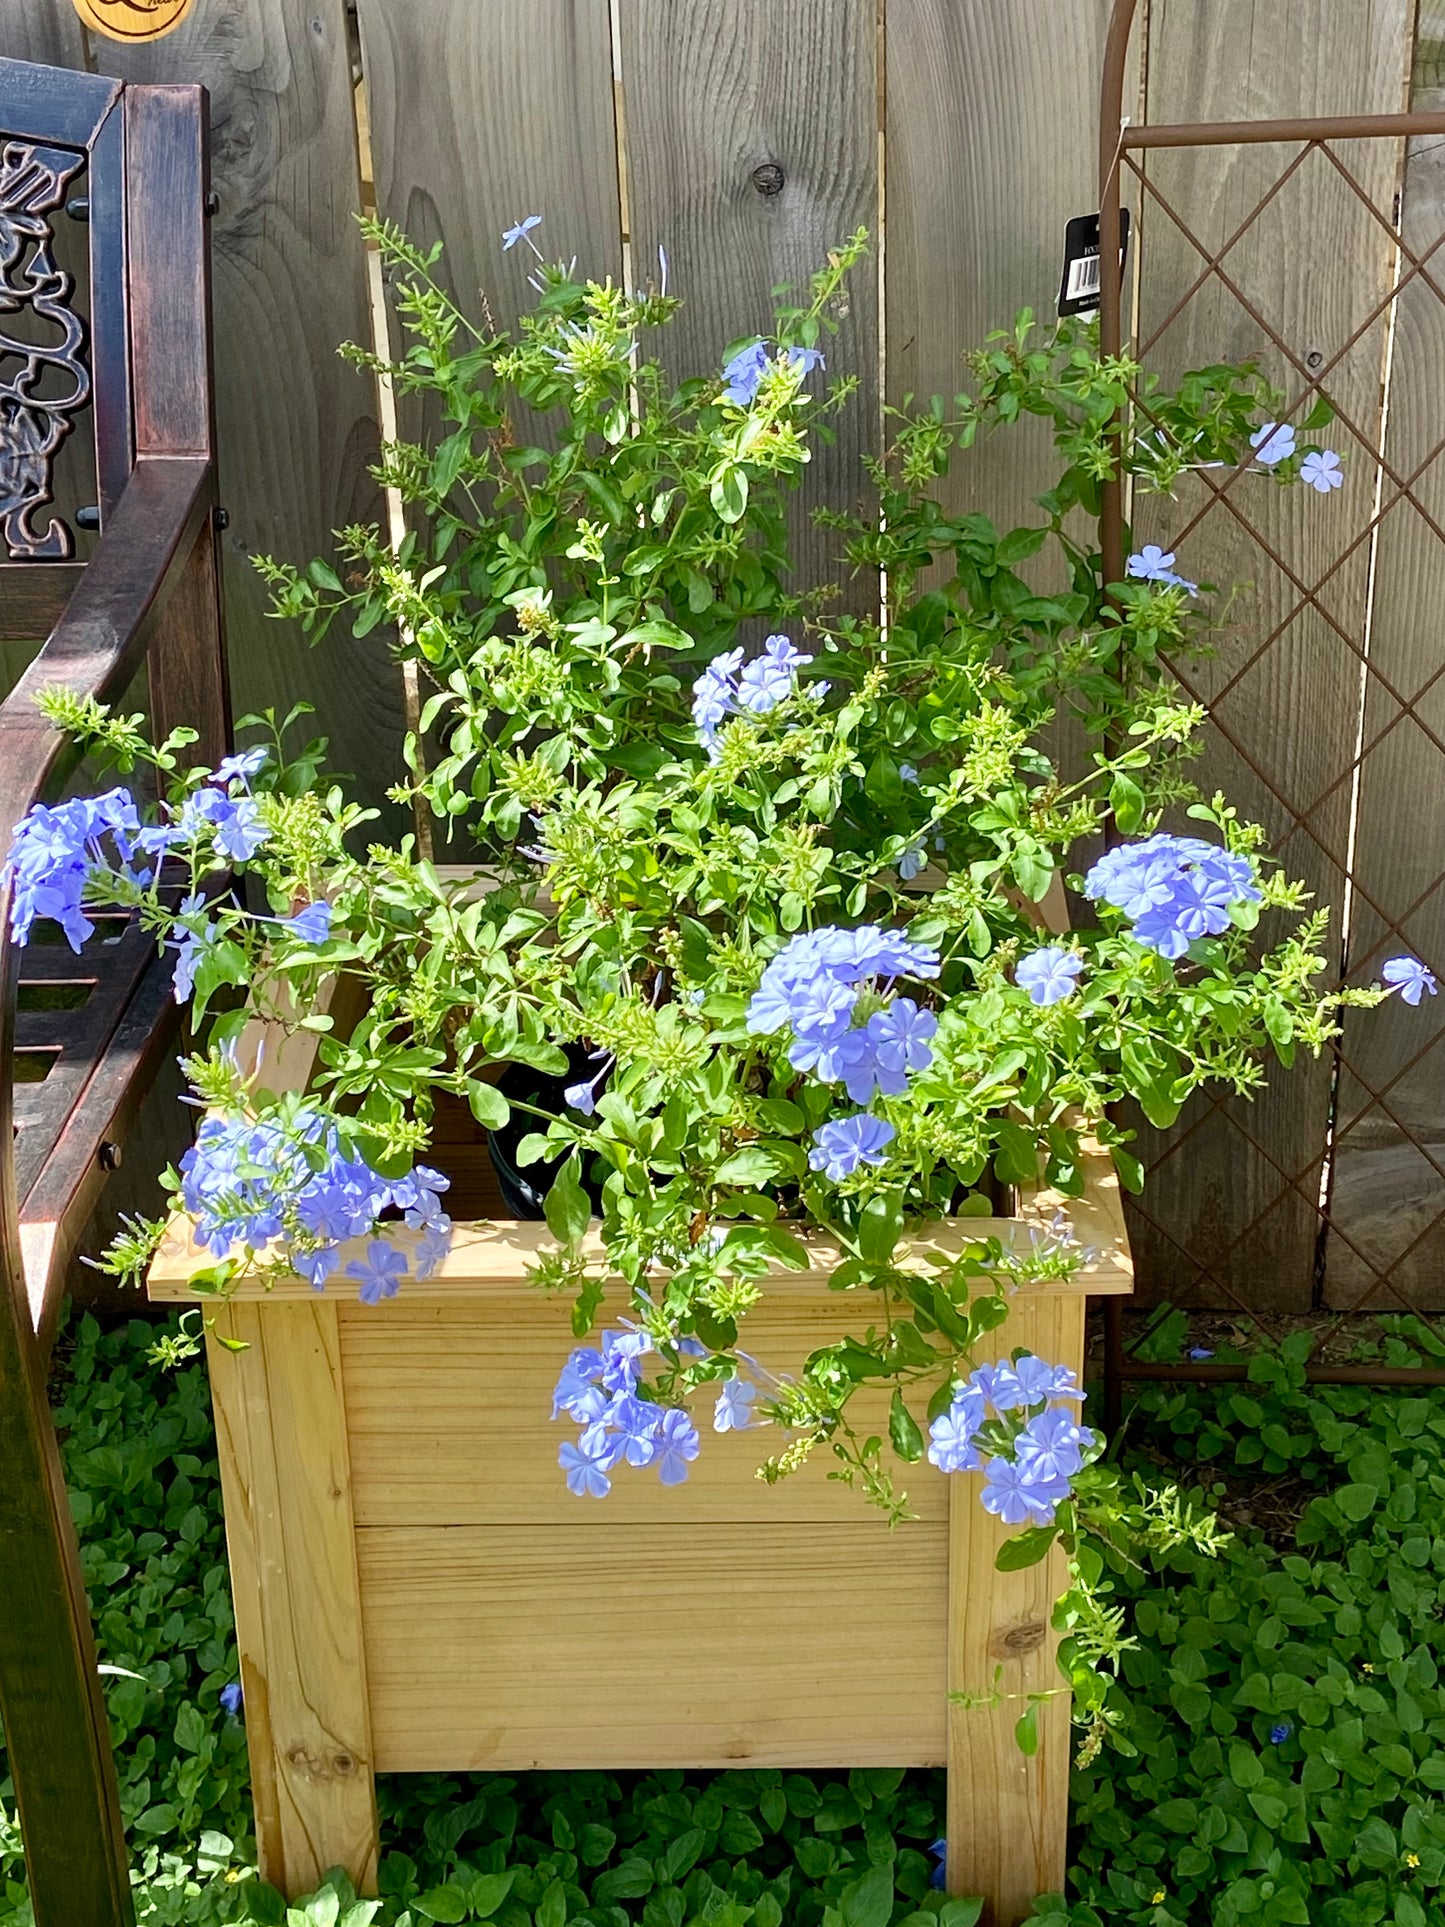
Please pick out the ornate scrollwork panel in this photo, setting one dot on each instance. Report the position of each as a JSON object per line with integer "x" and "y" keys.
{"x": 44, "y": 382}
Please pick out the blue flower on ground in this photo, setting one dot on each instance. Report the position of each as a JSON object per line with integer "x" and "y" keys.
{"x": 231, "y": 1698}
{"x": 1321, "y": 469}
{"x": 733, "y": 1411}
{"x": 379, "y": 1273}
{"x": 584, "y": 1466}
{"x": 1012, "y": 1494}
{"x": 677, "y": 1445}
{"x": 1280, "y": 1733}
{"x": 241, "y": 767}
{"x": 845, "y": 1143}
{"x": 311, "y": 925}
{"x": 743, "y": 374}
{"x": 1272, "y": 442}
{"x": 1199, "y": 1353}
{"x": 1410, "y": 977}
{"x": 522, "y": 231}
{"x": 1049, "y": 975}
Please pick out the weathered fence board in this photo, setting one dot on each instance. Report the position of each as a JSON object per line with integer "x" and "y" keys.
{"x": 751, "y": 148}
{"x": 1232, "y": 1207}
{"x": 1389, "y": 1180}
{"x": 297, "y": 425}
{"x": 991, "y": 142}
{"x": 481, "y": 115}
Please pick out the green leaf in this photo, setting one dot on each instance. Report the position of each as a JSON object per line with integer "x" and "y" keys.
{"x": 487, "y": 1892}
{"x": 488, "y": 1106}
{"x": 1026, "y": 1548}
{"x": 868, "y": 1902}
{"x": 879, "y": 1225}
{"x": 448, "y": 1903}
{"x": 1026, "y": 1732}
{"x": 568, "y": 1207}
{"x": 1245, "y": 1768}
{"x": 752, "y": 1166}
{"x": 1356, "y": 1502}
{"x": 553, "y": 1910}
{"x": 903, "y": 1430}
{"x": 1126, "y": 800}
{"x": 681, "y": 1856}
{"x": 729, "y": 494}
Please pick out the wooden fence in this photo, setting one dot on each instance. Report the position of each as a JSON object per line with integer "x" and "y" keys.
{"x": 745, "y": 136}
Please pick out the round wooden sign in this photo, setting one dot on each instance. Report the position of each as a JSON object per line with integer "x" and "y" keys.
{"x": 133, "y": 19}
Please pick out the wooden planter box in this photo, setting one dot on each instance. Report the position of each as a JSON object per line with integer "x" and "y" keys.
{"x": 415, "y": 1588}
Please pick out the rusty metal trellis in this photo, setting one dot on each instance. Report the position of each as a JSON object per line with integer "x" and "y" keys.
{"x": 1124, "y": 150}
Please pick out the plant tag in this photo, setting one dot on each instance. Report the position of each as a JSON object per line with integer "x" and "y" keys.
{"x": 1079, "y": 287}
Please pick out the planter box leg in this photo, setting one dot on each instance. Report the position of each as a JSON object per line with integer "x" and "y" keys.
{"x": 286, "y": 1481}
{"x": 1007, "y": 1811}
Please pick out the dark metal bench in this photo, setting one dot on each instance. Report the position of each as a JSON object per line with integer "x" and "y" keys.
{"x": 80, "y": 1037}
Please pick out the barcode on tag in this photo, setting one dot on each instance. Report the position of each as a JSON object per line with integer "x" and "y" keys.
{"x": 1083, "y": 278}
{"x": 1080, "y": 281}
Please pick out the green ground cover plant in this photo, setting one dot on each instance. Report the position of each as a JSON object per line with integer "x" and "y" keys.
{"x": 1276, "y": 1758}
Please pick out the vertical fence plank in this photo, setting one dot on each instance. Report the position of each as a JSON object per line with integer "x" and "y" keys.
{"x": 752, "y": 147}
{"x": 1230, "y": 1213}
{"x": 1389, "y": 1179}
{"x": 296, "y": 425}
{"x": 483, "y": 114}
{"x": 991, "y": 147}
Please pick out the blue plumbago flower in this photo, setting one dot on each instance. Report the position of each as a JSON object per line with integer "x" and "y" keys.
{"x": 622, "y": 1353}
{"x": 1014, "y": 1495}
{"x": 844, "y": 1143}
{"x": 811, "y": 988}
{"x": 582, "y": 1096}
{"x": 901, "y": 1036}
{"x": 1321, "y": 469}
{"x": 733, "y": 1411}
{"x": 379, "y": 1273}
{"x": 911, "y": 862}
{"x": 1272, "y": 442}
{"x": 1051, "y": 1445}
{"x": 714, "y": 696}
{"x": 1199, "y": 1353}
{"x": 938, "y": 1873}
{"x": 241, "y": 767}
{"x": 584, "y": 1463}
{"x": 907, "y": 773}
{"x": 805, "y": 360}
{"x": 1280, "y": 1732}
{"x": 1152, "y": 564}
{"x": 191, "y": 947}
{"x": 312, "y": 925}
{"x": 316, "y": 1266}
{"x": 770, "y": 679}
{"x": 636, "y": 1423}
{"x": 1410, "y": 977}
{"x": 231, "y": 1698}
{"x": 676, "y": 1444}
{"x": 522, "y": 231}
{"x": 743, "y": 375}
{"x": 1049, "y": 975}
{"x": 235, "y": 822}
{"x": 951, "y": 1436}
{"x": 55, "y": 854}
{"x": 577, "y": 1379}
{"x": 1176, "y": 889}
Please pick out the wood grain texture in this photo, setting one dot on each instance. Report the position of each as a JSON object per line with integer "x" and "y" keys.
{"x": 296, "y": 425}
{"x": 714, "y": 92}
{"x": 448, "y": 1412}
{"x": 991, "y": 116}
{"x": 286, "y": 1485}
{"x": 503, "y": 1649}
{"x": 1225, "y": 1218}
{"x": 1388, "y": 1189}
{"x": 448, "y": 87}
{"x": 1007, "y": 1811}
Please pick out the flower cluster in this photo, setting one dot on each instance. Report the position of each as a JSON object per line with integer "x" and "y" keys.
{"x": 812, "y": 990}
{"x": 743, "y": 374}
{"x": 1174, "y": 889}
{"x": 599, "y": 1389}
{"x": 1004, "y": 1421}
{"x": 728, "y": 687}
{"x": 250, "y": 1183}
